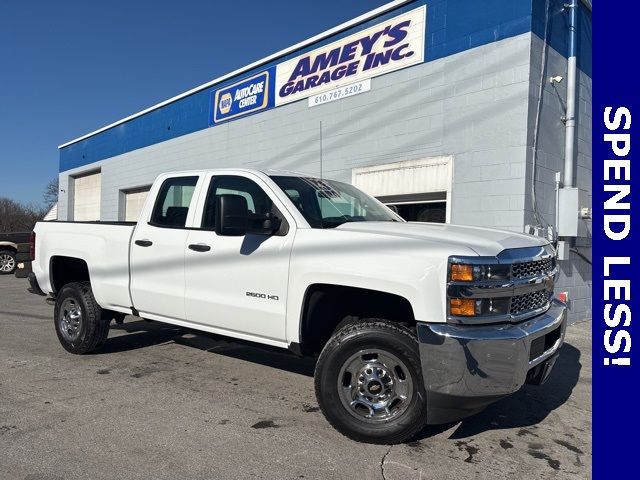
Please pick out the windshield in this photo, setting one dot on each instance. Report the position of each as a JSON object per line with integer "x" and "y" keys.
{"x": 327, "y": 203}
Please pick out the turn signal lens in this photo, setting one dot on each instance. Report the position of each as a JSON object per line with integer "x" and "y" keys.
{"x": 464, "y": 307}
{"x": 461, "y": 273}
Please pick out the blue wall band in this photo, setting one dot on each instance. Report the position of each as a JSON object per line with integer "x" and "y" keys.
{"x": 452, "y": 26}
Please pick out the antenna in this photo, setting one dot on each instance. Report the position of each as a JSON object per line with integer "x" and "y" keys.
{"x": 321, "y": 181}
{"x": 320, "y": 150}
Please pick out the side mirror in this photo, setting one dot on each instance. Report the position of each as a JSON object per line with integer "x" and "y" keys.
{"x": 232, "y": 215}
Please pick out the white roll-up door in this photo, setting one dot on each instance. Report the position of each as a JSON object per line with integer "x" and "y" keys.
{"x": 419, "y": 190}
{"x": 133, "y": 203}
{"x": 86, "y": 197}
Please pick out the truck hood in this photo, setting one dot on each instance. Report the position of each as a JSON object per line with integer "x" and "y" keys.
{"x": 483, "y": 241}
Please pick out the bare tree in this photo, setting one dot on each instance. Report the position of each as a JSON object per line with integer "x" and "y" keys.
{"x": 21, "y": 217}
{"x": 50, "y": 195}
{"x": 16, "y": 217}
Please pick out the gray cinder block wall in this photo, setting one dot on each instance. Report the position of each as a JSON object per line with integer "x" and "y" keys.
{"x": 576, "y": 273}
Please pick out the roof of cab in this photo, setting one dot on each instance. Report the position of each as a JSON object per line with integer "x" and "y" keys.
{"x": 267, "y": 171}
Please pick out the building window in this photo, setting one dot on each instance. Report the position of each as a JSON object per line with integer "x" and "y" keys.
{"x": 424, "y": 207}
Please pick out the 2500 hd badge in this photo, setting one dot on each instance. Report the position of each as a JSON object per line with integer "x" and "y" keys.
{"x": 262, "y": 295}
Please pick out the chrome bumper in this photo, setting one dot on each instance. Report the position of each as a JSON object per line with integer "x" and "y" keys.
{"x": 465, "y": 368}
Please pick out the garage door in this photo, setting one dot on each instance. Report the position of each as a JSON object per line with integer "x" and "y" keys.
{"x": 86, "y": 197}
{"x": 133, "y": 203}
{"x": 418, "y": 190}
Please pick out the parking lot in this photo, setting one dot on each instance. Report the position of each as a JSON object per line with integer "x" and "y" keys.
{"x": 159, "y": 402}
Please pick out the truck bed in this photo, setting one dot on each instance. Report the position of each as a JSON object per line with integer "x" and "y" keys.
{"x": 96, "y": 222}
{"x": 104, "y": 246}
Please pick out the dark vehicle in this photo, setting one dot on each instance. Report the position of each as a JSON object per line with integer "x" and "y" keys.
{"x": 14, "y": 249}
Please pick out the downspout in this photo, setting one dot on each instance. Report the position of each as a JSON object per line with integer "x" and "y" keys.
{"x": 570, "y": 118}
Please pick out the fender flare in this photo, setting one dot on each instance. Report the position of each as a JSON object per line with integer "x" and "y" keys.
{"x": 13, "y": 246}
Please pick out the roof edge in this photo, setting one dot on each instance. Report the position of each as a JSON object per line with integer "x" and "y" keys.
{"x": 316, "y": 38}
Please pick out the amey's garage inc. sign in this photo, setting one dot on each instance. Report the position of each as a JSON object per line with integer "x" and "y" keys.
{"x": 385, "y": 47}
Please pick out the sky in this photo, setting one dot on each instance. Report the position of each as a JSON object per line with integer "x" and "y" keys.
{"x": 68, "y": 67}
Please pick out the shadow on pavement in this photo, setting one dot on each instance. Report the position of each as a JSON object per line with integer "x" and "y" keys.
{"x": 140, "y": 334}
{"x": 143, "y": 334}
{"x": 525, "y": 408}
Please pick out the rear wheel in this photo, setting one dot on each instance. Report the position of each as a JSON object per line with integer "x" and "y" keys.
{"x": 81, "y": 325}
{"x": 369, "y": 382}
{"x": 8, "y": 263}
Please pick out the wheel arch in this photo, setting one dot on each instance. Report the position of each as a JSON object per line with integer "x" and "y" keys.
{"x": 64, "y": 270}
{"x": 326, "y": 307}
{"x": 10, "y": 246}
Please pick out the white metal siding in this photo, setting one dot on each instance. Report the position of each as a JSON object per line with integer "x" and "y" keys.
{"x": 86, "y": 197}
{"x": 401, "y": 178}
{"x": 52, "y": 214}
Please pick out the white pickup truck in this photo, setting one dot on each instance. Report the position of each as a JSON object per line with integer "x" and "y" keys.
{"x": 413, "y": 323}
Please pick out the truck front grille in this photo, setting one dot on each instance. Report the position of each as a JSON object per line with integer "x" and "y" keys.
{"x": 529, "y": 301}
{"x": 532, "y": 269}
{"x": 513, "y": 286}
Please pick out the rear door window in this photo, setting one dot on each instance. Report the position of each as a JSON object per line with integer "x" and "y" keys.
{"x": 172, "y": 205}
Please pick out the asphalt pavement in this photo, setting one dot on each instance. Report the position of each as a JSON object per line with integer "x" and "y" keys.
{"x": 160, "y": 402}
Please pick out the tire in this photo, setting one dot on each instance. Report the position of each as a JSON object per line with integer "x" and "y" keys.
{"x": 80, "y": 323}
{"x": 365, "y": 365}
{"x": 8, "y": 262}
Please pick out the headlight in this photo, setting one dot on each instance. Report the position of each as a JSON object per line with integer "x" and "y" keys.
{"x": 463, "y": 307}
{"x": 463, "y": 276}
{"x": 475, "y": 307}
{"x": 514, "y": 285}
{"x": 460, "y": 272}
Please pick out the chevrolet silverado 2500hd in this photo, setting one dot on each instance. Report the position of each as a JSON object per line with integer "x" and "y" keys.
{"x": 413, "y": 323}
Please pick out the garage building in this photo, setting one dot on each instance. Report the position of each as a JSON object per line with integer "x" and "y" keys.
{"x": 447, "y": 110}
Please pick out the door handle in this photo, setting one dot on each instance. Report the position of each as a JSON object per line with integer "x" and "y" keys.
{"x": 144, "y": 243}
{"x": 199, "y": 247}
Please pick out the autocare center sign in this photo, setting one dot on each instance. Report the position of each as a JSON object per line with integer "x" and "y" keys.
{"x": 390, "y": 45}
{"x": 249, "y": 95}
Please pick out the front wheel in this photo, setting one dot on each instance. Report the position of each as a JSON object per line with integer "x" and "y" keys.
{"x": 81, "y": 325}
{"x": 8, "y": 263}
{"x": 368, "y": 382}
